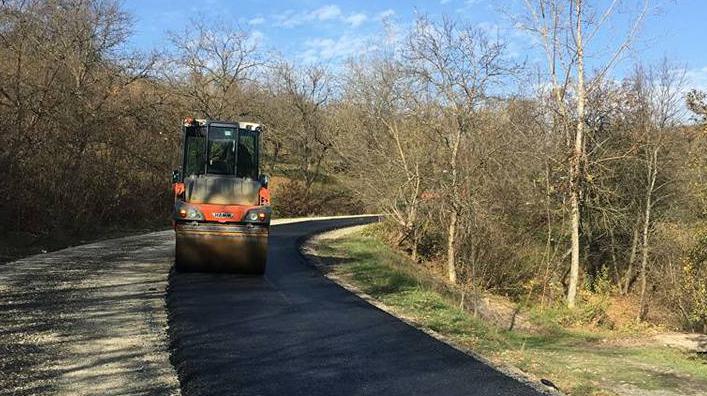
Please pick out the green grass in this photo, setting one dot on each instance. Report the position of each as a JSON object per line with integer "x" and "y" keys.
{"x": 580, "y": 361}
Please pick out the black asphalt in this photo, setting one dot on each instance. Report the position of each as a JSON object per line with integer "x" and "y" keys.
{"x": 294, "y": 332}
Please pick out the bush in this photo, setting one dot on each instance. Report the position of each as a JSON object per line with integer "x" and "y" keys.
{"x": 693, "y": 302}
{"x": 693, "y": 286}
{"x": 592, "y": 310}
{"x": 293, "y": 199}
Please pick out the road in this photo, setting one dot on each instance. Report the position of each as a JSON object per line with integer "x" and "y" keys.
{"x": 94, "y": 319}
{"x": 294, "y": 332}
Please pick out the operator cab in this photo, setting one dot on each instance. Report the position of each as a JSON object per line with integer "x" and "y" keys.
{"x": 218, "y": 148}
{"x": 220, "y": 163}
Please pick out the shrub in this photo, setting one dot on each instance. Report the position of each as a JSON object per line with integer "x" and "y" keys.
{"x": 292, "y": 198}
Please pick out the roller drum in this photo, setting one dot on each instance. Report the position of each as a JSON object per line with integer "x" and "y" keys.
{"x": 204, "y": 247}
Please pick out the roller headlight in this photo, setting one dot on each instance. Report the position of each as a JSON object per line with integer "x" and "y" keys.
{"x": 187, "y": 212}
{"x": 260, "y": 215}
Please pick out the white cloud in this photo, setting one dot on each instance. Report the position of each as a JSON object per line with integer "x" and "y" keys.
{"x": 327, "y": 49}
{"x": 489, "y": 28}
{"x": 331, "y": 12}
{"x": 696, "y": 79}
{"x": 291, "y": 18}
{"x": 257, "y": 36}
{"x": 444, "y": 1}
{"x": 385, "y": 14}
{"x": 468, "y": 5}
{"x": 256, "y": 21}
{"x": 356, "y": 19}
{"x": 326, "y": 12}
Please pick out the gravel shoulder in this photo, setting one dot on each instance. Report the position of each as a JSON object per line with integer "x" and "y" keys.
{"x": 88, "y": 320}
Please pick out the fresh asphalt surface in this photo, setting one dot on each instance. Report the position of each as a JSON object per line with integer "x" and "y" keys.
{"x": 294, "y": 332}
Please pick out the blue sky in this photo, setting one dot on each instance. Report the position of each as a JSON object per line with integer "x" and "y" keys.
{"x": 330, "y": 31}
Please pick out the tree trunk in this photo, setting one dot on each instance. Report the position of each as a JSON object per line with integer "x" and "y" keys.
{"x": 412, "y": 212}
{"x": 652, "y": 172}
{"x": 632, "y": 259}
{"x": 614, "y": 264}
{"x": 454, "y": 216}
{"x": 415, "y": 243}
{"x": 576, "y": 165}
{"x": 574, "y": 263}
{"x": 451, "y": 252}
{"x": 548, "y": 242}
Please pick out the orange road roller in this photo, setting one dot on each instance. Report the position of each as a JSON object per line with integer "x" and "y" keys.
{"x": 221, "y": 201}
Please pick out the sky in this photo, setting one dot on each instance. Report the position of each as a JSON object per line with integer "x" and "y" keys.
{"x": 330, "y": 31}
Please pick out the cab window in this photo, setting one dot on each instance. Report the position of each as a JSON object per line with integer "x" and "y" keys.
{"x": 194, "y": 151}
{"x": 222, "y": 151}
{"x": 247, "y": 155}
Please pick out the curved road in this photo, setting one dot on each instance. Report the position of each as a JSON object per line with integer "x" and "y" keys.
{"x": 93, "y": 319}
{"x": 294, "y": 332}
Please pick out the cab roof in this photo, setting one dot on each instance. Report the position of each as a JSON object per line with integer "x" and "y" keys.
{"x": 240, "y": 124}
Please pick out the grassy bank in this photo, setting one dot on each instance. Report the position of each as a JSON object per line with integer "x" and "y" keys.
{"x": 580, "y": 361}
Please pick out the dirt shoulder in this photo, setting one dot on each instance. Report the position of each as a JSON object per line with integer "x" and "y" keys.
{"x": 577, "y": 361}
{"x": 17, "y": 245}
{"x": 88, "y": 320}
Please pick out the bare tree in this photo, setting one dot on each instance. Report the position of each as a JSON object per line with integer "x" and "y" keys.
{"x": 385, "y": 144}
{"x": 211, "y": 65}
{"x": 661, "y": 89}
{"x": 565, "y": 30}
{"x": 455, "y": 65}
{"x": 303, "y": 127}
{"x": 74, "y": 95}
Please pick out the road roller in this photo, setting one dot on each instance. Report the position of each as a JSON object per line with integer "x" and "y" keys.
{"x": 221, "y": 201}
